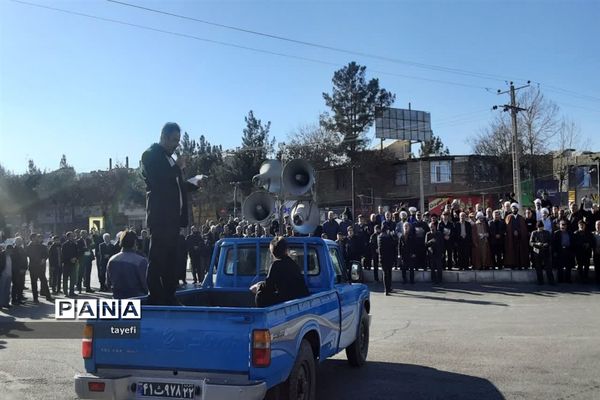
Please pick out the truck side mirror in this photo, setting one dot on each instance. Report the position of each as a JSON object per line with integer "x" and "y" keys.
{"x": 355, "y": 272}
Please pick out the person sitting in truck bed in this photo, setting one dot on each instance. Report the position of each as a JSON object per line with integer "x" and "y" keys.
{"x": 285, "y": 280}
{"x": 127, "y": 270}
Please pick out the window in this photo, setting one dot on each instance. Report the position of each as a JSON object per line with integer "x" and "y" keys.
{"x": 401, "y": 175}
{"x": 340, "y": 179}
{"x": 246, "y": 262}
{"x": 337, "y": 265}
{"x": 441, "y": 171}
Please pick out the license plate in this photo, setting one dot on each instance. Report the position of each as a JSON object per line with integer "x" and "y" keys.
{"x": 166, "y": 390}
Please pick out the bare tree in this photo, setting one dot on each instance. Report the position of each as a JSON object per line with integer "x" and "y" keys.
{"x": 567, "y": 139}
{"x": 537, "y": 125}
{"x": 314, "y": 143}
{"x": 495, "y": 140}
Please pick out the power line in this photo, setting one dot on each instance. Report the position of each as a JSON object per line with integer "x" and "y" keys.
{"x": 233, "y": 45}
{"x": 358, "y": 53}
{"x": 459, "y": 71}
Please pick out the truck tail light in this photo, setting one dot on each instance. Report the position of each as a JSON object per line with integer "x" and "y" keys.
{"x": 261, "y": 348}
{"x": 96, "y": 386}
{"x": 87, "y": 342}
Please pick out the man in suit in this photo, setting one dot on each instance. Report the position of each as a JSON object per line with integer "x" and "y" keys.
{"x": 55, "y": 260}
{"x": 463, "y": 228}
{"x": 434, "y": 240}
{"x": 195, "y": 247}
{"x": 69, "y": 254}
{"x": 386, "y": 248}
{"x": 563, "y": 255}
{"x": 85, "y": 245}
{"x": 540, "y": 242}
{"x": 166, "y": 212}
{"x": 37, "y": 253}
{"x": 105, "y": 251}
{"x": 448, "y": 229}
{"x": 583, "y": 243}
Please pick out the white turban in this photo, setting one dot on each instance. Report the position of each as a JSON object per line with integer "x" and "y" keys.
{"x": 537, "y": 201}
{"x": 515, "y": 205}
{"x": 403, "y": 214}
{"x": 480, "y": 215}
{"x": 412, "y": 210}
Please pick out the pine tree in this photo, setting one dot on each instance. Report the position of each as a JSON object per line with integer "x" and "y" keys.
{"x": 353, "y": 102}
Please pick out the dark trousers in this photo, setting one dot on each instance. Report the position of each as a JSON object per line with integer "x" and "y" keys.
{"x": 448, "y": 248}
{"x": 564, "y": 264}
{"x": 464, "y": 253}
{"x": 497, "y": 248}
{"x": 387, "y": 276}
{"x": 583, "y": 266}
{"x": 411, "y": 273}
{"x": 69, "y": 278}
{"x": 375, "y": 265}
{"x": 197, "y": 268}
{"x": 437, "y": 266}
{"x": 55, "y": 277}
{"x": 102, "y": 274}
{"x": 367, "y": 262}
{"x": 541, "y": 263}
{"x": 84, "y": 273}
{"x": 597, "y": 267}
{"x": 18, "y": 284}
{"x": 39, "y": 272}
{"x": 162, "y": 268}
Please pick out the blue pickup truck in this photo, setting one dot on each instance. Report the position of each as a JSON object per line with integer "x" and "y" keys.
{"x": 219, "y": 345}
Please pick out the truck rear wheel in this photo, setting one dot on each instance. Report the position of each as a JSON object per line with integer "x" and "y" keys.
{"x": 358, "y": 350}
{"x": 302, "y": 382}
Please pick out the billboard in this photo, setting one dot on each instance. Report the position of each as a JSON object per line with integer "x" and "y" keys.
{"x": 402, "y": 124}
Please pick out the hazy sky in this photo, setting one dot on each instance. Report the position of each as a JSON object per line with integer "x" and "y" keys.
{"x": 94, "y": 89}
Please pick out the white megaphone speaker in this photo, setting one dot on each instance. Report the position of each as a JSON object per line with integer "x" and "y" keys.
{"x": 305, "y": 217}
{"x": 259, "y": 208}
{"x": 269, "y": 176}
{"x": 298, "y": 177}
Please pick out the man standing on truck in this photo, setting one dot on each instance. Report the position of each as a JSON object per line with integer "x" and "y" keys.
{"x": 166, "y": 212}
{"x": 284, "y": 281}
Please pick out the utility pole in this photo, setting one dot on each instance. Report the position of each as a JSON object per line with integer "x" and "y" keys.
{"x": 235, "y": 187}
{"x": 515, "y": 150}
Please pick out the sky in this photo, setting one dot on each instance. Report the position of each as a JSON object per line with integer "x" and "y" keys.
{"x": 93, "y": 89}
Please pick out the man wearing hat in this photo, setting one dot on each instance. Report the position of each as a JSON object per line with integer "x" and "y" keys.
{"x": 517, "y": 240}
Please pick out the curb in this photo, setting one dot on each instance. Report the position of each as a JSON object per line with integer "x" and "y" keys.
{"x": 494, "y": 276}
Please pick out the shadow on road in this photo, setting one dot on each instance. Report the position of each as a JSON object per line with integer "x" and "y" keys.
{"x": 382, "y": 381}
{"x": 481, "y": 289}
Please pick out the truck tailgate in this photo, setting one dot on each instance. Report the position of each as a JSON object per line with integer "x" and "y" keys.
{"x": 179, "y": 338}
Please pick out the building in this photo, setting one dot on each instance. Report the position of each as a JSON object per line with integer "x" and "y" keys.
{"x": 395, "y": 183}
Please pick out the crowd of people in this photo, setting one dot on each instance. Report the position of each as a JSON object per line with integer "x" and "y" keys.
{"x": 544, "y": 237}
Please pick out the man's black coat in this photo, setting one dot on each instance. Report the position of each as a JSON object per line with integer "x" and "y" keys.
{"x": 166, "y": 200}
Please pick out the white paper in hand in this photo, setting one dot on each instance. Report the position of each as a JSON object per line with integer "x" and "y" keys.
{"x": 195, "y": 180}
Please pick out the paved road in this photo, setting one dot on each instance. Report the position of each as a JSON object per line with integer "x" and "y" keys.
{"x": 462, "y": 341}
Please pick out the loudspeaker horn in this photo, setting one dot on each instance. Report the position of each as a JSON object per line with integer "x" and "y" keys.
{"x": 259, "y": 208}
{"x": 298, "y": 177}
{"x": 269, "y": 176}
{"x": 305, "y": 217}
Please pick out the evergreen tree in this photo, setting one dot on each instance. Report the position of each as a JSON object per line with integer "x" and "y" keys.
{"x": 433, "y": 147}
{"x": 353, "y": 102}
{"x": 257, "y": 146}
